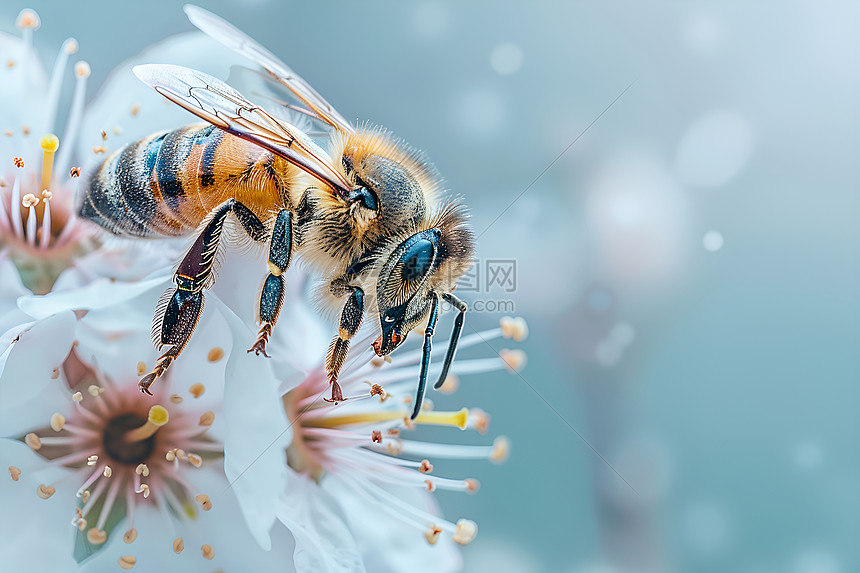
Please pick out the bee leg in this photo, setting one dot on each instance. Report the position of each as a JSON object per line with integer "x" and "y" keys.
{"x": 425, "y": 355}
{"x": 185, "y": 304}
{"x": 272, "y": 295}
{"x": 455, "y": 335}
{"x": 350, "y": 321}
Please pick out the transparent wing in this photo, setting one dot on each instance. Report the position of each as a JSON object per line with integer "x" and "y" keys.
{"x": 235, "y": 39}
{"x": 213, "y": 100}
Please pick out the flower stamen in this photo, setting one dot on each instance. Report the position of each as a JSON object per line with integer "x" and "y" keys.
{"x": 158, "y": 417}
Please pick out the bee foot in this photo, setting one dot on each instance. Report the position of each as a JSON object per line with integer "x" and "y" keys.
{"x": 258, "y": 348}
{"x": 336, "y": 393}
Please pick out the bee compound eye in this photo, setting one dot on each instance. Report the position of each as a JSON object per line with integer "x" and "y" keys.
{"x": 416, "y": 260}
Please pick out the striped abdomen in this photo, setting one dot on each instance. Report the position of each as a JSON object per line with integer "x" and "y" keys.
{"x": 166, "y": 183}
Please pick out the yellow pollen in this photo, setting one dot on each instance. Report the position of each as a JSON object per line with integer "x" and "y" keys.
{"x": 15, "y": 472}
{"x": 466, "y": 532}
{"x": 45, "y": 491}
{"x": 204, "y": 501}
{"x": 208, "y": 552}
{"x": 49, "y": 143}
{"x": 195, "y": 460}
{"x": 178, "y": 545}
{"x": 33, "y": 441}
{"x": 130, "y": 535}
{"x": 215, "y": 354}
{"x": 127, "y": 561}
{"x": 198, "y": 388}
{"x": 158, "y": 416}
{"x": 274, "y": 269}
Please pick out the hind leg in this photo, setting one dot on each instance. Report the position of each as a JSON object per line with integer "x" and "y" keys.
{"x": 182, "y": 308}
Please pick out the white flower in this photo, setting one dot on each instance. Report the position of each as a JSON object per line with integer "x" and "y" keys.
{"x": 358, "y": 496}
{"x": 119, "y": 466}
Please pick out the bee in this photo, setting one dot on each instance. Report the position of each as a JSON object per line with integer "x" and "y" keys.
{"x": 366, "y": 215}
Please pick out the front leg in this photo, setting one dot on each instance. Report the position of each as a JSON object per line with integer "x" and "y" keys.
{"x": 272, "y": 294}
{"x": 350, "y": 321}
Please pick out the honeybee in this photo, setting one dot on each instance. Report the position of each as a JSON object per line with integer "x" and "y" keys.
{"x": 366, "y": 215}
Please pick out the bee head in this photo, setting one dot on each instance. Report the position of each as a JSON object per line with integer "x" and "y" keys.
{"x": 402, "y": 293}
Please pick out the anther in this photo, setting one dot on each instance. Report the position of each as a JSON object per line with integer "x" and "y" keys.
{"x": 479, "y": 420}
{"x": 19, "y": 162}
{"x": 215, "y": 354}
{"x": 141, "y": 368}
{"x": 206, "y": 418}
{"x": 158, "y": 416}
{"x": 25, "y": 129}
{"x": 431, "y": 487}
{"x": 195, "y": 460}
{"x": 514, "y": 328}
{"x": 49, "y": 144}
{"x": 92, "y": 460}
{"x": 450, "y": 385}
{"x": 15, "y": 472}
{"x": 8, "y": 133}
{"x": 70, "y": 46}
{"x": 472, "y": 485}
{"x": 466, "y": 532}
{"x": 33, "y": 441}
{"x": 130, "y": 535}
{"x": 29, "y": 200}
{"x": 99, "y": 149}
{"x": 501, "y": 449}
{"x": 94, "y": 390}
{"x": 208, "y": 552}
{"x": 426, "y": 467}
{"x": 77, "y": 397}
{"x": 514, "y": 360}
{"x": 376, "y": 390}
{"x": 75, "y": 172}
{"x": 28, "y": 20}
{"x": 85, "y": 496}
{"x": 82, "y": 70}
{"x": 376, "y": 436}
{"x": 178, "y": 545}
{"x": 376, "y": 361}
{"x": 107, "y": 472}
{"x": 104, "y": 135}
{"x": 204, "y": 501}
{"x": 144, "y": 489}
{"x": 96, "y": 536}
{"x": 135, "y": 109}
{"x": 127, "y": 561}
{"x": 170, "y": 455}
{"x": 81, "y": 524}
{"x": 432, "y": 534}
{"x": 176, "y": 398}
{"x": 46, "y": 195}
{"x": 197, "y": 389}
{"x": 142, "y": 470}
{"x": 45, "y": 491}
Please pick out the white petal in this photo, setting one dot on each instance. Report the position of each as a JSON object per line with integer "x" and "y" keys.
{"x": 257, "y": 432}
{"x": 323, "y": 542}
{"x": 97, "y": 295}
{"x": 27, "y": 365}
{"x": 405, "y": 546}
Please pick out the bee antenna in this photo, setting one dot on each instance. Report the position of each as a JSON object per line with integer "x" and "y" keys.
{"x": 425, "y": 355}
{"x": 455, "y": 335}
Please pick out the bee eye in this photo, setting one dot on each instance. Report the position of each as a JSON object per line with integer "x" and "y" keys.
{"x": 416, "y": 261}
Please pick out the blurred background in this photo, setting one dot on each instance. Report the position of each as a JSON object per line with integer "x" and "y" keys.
{"x": 668, "y": 193}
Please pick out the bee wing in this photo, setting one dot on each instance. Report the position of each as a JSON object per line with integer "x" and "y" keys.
{"x": 213, "y": 100}
{"x": 237, "y": 40}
